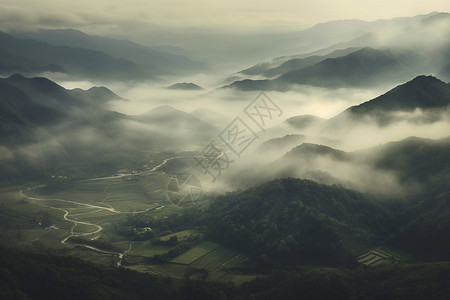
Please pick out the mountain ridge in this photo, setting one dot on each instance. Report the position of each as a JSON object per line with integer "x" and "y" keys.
{"x": 76, "y": 62}
{"x": 118, "y": 48}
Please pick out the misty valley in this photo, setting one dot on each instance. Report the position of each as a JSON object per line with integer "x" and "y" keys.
{"x": 319, "y": 172}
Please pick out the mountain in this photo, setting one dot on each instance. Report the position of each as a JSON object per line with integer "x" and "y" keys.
{"x": 46, "y": 129}
{"x": 413, "y": 160}
{"x": 362, "y": 68}
{"x": 405, "y": 168}
{"x": 279, "y": 146}
{"x": 96, "y": 95}
{"x": 291, "y": 221}
{"x": 10, "y": 64}
{"x": 39, "y": 101}
{"x": 389, "y": 51}
{"x": 76, "y": 62}
{"x": 188, "y": 86}
{"x": 33, "y": 109}
{"x": 45, "y": 92}
{"x": 423, "y": 92}
{"x": 426, "y": 221}
{"x": 306, "y": 150}
{"x": 425, "y": 235}
{"x": 19, "y": 115}
{"x": 420, "y": 167}
{"x": 28, "y": 103}
{"x": 281, "y": 65}
{"x": 282, "y": 143}
{"x": 403, "y": 33}
{"x": 158, "y": 57}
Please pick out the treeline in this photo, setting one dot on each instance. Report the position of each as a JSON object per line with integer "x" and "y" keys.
{"x": 26, "y": 275}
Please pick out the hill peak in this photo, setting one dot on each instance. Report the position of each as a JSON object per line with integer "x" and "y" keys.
{"x": 41, "y": 84}
{"x": 315, "y": 149}
{"x": 16, "y": 77}
{"x": 422, "y": 92}
{"x": 184, "y": 86}
{"x": 424, "y": 79}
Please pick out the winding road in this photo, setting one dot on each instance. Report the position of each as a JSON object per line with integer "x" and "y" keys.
{"x": 96, "y": 228}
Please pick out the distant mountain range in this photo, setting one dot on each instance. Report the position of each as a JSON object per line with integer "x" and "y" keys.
{"x": 168, "y": 60}
{"x": 361, "y": 68}
{"x": 76, "y": 62}
{"x": 355, "y": 54}
{"x": 83, "y": 56}
{"x": 274, "y": 68}
{"x": 339, "y": 34}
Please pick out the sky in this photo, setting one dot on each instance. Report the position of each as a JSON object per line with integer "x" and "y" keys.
{"x": 231, "y": 33}
{"x": 237, "y": 16}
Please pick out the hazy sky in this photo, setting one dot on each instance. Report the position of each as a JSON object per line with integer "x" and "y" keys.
{"x": 232, "y": 33}
{"x": 108, "y": 16}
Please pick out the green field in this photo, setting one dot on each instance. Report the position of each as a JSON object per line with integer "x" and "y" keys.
{"x": 146, "y": 194}
{"x": 147, "y": 249}
{"x": 208, "y": 256}
{"x": 195, "y": 253}
{"x": 218, "y": 259}
{"x": 89, "y": 201}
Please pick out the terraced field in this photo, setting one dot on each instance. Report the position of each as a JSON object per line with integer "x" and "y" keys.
{"x": 207, "y": 255}
{"x": 195, "y": 253}
{"x": 382, "y": 255}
